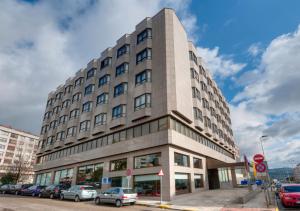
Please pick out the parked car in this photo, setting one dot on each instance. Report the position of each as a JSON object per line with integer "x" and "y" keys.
{"x": 79, "y": 192}
{"x": 18, "y": 188}
{"x": 33, "y": 190}
{"x": 290, "y": 195}
{"x": 117, "y": 196}
{"x": 4, "y": 189}
{"x": 53, "y": 191}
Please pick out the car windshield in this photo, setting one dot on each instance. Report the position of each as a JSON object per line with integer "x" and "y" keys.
{"x": 50, "y": 187}
{"x": 128, "y": 191}
{"x": 88, "y": 188}
{"x": 292, "y": 189}
{"x": 32, "y": 187}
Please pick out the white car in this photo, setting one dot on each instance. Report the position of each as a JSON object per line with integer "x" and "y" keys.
{"x": 79, "y": 192}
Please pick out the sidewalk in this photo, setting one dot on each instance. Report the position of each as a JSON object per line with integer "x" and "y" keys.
{"x": 212, "y": 200}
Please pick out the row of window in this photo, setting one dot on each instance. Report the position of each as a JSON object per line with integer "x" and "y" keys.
{"x": 184, "y": 160}
{"x": 127, "y": 134}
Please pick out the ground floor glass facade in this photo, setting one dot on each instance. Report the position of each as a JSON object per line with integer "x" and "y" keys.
{"x": 147, "y": 185}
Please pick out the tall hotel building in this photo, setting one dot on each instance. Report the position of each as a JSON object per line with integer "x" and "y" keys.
{"x": 17, "y": 153}
{"x": 146, "y": 104}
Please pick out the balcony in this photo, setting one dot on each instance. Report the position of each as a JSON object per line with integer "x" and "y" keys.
{"x": 99, "y": 129}
{"x": 141, "y": 113}
{"x": 83, "y": 134}
{"x": 70, "y": 140}
{"x": 58, "y": 144}
{"x": 117, "y": 122}
{"x": 48, "y": 148}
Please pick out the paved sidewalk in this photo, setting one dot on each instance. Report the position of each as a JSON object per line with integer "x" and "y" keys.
{"x": 212, "y": 200}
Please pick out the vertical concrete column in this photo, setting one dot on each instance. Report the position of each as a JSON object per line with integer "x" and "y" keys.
{"x": 130, "y": 165}
{"x": 233, "y": 177}
{"x": 171, "y": 173}
{"x": 191, "y": 176}
{"x": 74, "y": 177}
{"x": 105, "y": 174}
{"x": 52, "y": 177}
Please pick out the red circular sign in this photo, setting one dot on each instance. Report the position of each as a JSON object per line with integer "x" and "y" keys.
{"x": 261, "y": 167}
{"x": 258, "y": 158}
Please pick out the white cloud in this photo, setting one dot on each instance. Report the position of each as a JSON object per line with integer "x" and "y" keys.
{"x": 255, "y": 49}
{"x": 219, "y": 65}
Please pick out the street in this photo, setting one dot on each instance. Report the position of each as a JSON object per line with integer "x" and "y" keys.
{"x": 23, "y": 203}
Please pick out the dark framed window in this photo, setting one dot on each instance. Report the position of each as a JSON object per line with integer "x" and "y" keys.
{"x": 121, "y": 69}
{"x": 120, "y": 89}
{"x": 74, "y": 113}
{"x": 60, "y": 136}
{"x": 143, "y": 55}
{"x": 196, "y": 93}
{"x": 198, "y": 114}
{"x": 146, "y": 161}
{"x": 119, "y": 111}
{"x": 105, "y": 62}
{"x": 90, "y": 73}
{"x": 197, "y": 162}
{"x": 104, "y": 80}
{"x": 66, "y": 104}
{"x": 181, "y": 160}
{"x": 78, "y": 82}
{"x": 142, "y": 101}
{"x": 198, "y": 180}
{"x": 87, "y": 107}
{"x": 100, "y": 119}
{"x": 68, "y": 89}
{"x": 102, "y": 99}
{"x": 71, "y": 131}
{"x": 85, "y": 125}
{"x": 143, "y": 77}
{"x": 123, "y": 50}
{"x": 89, "y": 89}
{"x": 193, "y": 57}
{"x": 118, "y": 165}
{"x": 76, "y": 97}
{"x": 146, "y": 34}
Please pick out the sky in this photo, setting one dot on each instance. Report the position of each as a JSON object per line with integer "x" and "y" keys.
{"x": 251, "y": 47}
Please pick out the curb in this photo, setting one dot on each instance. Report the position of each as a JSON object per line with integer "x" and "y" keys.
{"x": 167, "y": 206}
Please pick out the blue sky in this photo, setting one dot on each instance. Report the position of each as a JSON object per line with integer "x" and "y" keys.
{"x": 251, "y": 47}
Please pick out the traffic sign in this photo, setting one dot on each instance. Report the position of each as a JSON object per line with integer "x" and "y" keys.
{"x": 260, "y": 167}
{"x": 258, "y": 158}
{"x": 129, "y": 172}
{"x": 161, "y": 173}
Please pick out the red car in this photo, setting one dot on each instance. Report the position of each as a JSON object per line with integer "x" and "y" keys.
{"x": 290, "y": 195}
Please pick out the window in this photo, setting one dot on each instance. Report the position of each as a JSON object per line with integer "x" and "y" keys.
{"x": 146, "y": 161}
{"x": 74, "y": 113}
{"x": 3, "y": 140}
{"x": 120, "y": 89}
{"x": 60, "y": 136}
{"x": 207, "y": 122}
{"x": 58, "y": 96}
{"x": 197, "y": 163}
{"x": 63, "y": 119}
{"x": 104, "y": 80}
{"x": 100, "y": 119}
{"x": 144, "y": 54}
{"x": 90, "y": 73}
{"x": 203, "y": 86}
{"x": 50, "y": 140}
{"x": 143, "y": 77}
{"x": 106, "y": 62}
{"x": 66, "y": 103}
{"x": 121, "y": 69}
{"x": 71, "y": 131}
{"x": 146, "y": 34}
{"x": 87, "y": 107}
{"x": 85, "y": 125}
{"x": 56, "y": 110}
{"x": 182, "y": 183}
{"x": 147, "y": 185}
{"x": 196, "y": 93}
{"x": 123, "y": 50}
{"x": 198, "y": 180}
{"x": 142, "y": 101}
{"x": 53, "y": 124}
{"x": 119, "y": 111}
{"x": 193, "y": 57}
{"x": 118, "y": 165}
{"x": 181, "y": 160}
{"x": 78, "y": 82}
{"x": 194, "y": 74}
{"x": 102, "y": 99}
{"x": 47, "y": 115}
{"x": 215, "y": 128}
{"x": 44, "y": 129}
{"x": 49, "y": 102}
{"x": 68, "y": 89}
{"x": 223, "y": 175}
{"x": 76, "y": 97}
{"x": 198, "y": 114}
{"x": 205, "y": 103}
{"x": 89, "y": 89}
{"x": 90, "y": 175}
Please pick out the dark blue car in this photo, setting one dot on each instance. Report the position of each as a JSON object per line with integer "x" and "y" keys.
{"x": 33, "y": 190}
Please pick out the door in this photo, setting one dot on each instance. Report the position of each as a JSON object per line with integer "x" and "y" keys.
{"x": 213, "y": 179}
{"x": 105, "y": 197}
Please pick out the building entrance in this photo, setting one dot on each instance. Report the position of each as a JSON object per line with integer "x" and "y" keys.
{"x": 213, "y": 179}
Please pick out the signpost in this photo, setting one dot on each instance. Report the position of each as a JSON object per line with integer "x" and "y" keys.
{"x": 161, "y": 174}
{"x": 258, "y": 158}
{"x": 260, "y": 167}
{"x": 128, "y": 175}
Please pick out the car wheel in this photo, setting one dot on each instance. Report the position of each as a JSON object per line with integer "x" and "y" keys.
{"x": 77, "y": 199}
{"x": 40, "y": 195}
{"x": 118, "y": 203}
{"x": 61, "y": 197}
{"x": 97, "y": 201}
{"x": 33, "y": 194}
{"x": 132, "y": 203}
{"x": 51, "y": 196}
{"x": 17, "y": 192}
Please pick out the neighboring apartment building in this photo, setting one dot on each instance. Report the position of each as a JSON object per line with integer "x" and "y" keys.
{"x": 17, "y": 152}
{"x": 296, "y": 173}
{"x": 146, "y": 104}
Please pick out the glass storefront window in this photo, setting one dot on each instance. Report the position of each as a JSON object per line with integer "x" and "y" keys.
{"x": 182, "y": 183}
{"x": 119, "y": 182}
{"x": 198, "y": 180}
{"x": 90, "y": 175}
{"x": 64, "y": 176}
{"x": 118, "y": 165}
{"x": 197, "y": 163}
{"x": 181, "y": 160}
{"x": 146, "y": 161}
{"x": 223, "y": 175}
{"x": 147, "y": 185}
{"x": 43, "y": 179}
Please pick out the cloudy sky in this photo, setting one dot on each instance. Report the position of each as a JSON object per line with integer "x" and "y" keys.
{"x": 252, "y": 48}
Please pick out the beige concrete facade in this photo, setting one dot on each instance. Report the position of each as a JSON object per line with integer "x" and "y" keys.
{"x": 184, "y": 111}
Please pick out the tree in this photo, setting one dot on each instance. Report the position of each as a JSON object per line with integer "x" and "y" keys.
{"x": 21, "y": 167}
{"x": 8, "y": 178}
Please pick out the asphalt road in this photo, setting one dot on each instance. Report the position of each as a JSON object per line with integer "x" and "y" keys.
{"x": 28, "y": 203}
{"x": 280, "y": 207}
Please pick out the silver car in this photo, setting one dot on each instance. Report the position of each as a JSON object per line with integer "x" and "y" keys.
{"x": 79, "y": 192}
{"x": 117, "y": 196}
